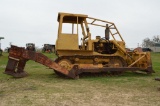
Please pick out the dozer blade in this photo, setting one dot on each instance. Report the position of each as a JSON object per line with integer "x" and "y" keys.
{"x": 18, "y": 57}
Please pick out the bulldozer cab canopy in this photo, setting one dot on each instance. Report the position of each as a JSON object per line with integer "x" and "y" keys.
{"x": 71, "y": 18}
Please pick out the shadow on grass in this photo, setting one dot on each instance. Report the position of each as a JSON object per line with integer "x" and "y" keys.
{"x": 31, "y": 88}
{"x": 126, "y": 74}
{"x": 54, "y": 76}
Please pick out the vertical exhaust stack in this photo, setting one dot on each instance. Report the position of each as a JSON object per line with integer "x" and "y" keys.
{"x": 107, "y": 32}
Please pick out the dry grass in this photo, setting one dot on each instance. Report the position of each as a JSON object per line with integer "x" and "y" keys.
{"x": 43, "y": 88}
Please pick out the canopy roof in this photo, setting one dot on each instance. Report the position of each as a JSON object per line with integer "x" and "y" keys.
{"x": 71, "y": 18}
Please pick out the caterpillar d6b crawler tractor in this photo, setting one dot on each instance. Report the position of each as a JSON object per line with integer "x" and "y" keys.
{"x": 78, "y": 53}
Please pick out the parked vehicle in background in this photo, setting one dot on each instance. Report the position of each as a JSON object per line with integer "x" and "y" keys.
{"x": 7, "y": 49}
{"x": 146, "y": 50}
{"x": 48, "y": 48}
{"x": 30, "y": 46}
{"x": 1, "y": 52}
{"x": 0, "y": 46}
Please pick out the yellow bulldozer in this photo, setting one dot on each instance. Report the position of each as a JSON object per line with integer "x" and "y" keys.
{"x": 78, "y": 52}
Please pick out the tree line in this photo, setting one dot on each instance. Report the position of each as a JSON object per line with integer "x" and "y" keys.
{"x": 147, "y": 42}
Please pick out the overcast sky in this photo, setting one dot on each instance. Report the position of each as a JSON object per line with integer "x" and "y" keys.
{"x": 23, "y": 21}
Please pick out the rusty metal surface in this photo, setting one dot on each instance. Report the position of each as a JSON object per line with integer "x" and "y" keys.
{"x": 18, "y": 57}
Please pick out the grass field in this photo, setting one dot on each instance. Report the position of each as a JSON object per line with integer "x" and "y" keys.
{"x": 44, "y": 88}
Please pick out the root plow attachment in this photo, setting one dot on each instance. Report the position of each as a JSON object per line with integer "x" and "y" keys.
{"x": 18, "y": 57}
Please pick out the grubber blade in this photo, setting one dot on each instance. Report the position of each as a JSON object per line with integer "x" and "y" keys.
{"x": 20, "y": 69}
{"x": 11, "y": 66}
{"x": 15, "y": 66}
